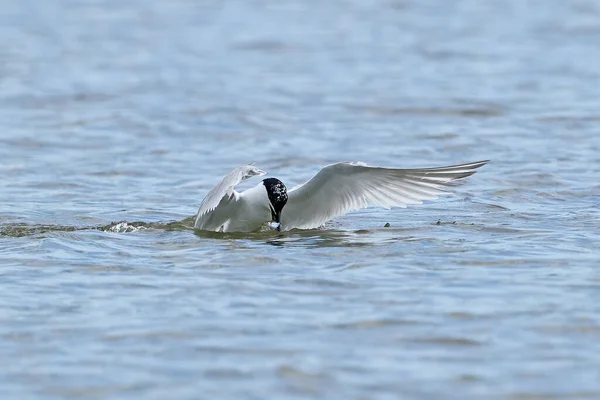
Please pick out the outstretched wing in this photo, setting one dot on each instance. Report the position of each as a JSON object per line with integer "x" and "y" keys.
{"x": 343, "y": 187}
{"x": 224, "y": 191}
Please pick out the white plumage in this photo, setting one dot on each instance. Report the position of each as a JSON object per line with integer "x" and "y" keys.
{"x": 334, "y": 191}
{"x": 225, "y": 210}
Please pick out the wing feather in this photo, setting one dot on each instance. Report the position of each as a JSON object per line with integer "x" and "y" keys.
{"x": 343, "y": 187}
{"x": 224, "y": 192}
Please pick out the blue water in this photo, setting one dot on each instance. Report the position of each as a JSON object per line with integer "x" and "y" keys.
{"x": 117, "y": 117}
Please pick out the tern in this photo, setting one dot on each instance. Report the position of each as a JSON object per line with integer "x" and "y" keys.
{"x": 334, "y": 191}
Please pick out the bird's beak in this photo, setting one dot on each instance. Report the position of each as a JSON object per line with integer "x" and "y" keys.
{"x": 276, "y": 218}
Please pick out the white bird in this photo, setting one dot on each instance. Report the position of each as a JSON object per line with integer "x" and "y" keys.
{"x": 335, "y": 190}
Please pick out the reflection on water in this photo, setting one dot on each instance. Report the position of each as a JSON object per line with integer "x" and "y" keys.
{"x": 117, "y": 118}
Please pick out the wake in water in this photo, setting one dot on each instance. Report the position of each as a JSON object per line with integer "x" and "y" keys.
{"x": 20, "y": 230}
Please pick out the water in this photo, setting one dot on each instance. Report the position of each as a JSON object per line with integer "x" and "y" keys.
{"x": 117, "y": 117}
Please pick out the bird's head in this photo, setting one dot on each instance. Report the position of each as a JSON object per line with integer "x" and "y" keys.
{"x": 277, "y": 193}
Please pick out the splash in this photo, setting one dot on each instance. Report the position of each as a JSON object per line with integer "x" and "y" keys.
{"x": 124, "y": 227}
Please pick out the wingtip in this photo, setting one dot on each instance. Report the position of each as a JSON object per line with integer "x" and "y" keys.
{"x": 476, "y": 164}
{"x": 254, "y": 171}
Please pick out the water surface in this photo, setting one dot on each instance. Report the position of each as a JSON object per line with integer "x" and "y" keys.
{"x": 116, "y": 118}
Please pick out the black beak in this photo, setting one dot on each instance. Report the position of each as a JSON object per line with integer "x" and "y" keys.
{"x": 276, "y": 217}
